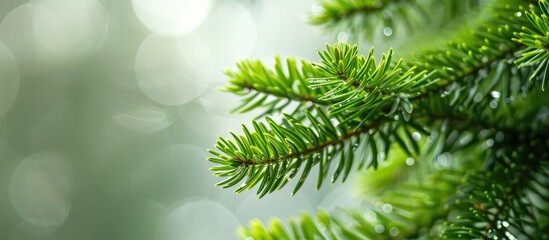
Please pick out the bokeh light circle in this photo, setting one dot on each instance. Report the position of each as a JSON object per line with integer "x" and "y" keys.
{"x": 188, "y": 220}
{"x": 39, "y": 190}
{"x": 163, "y": 75}
{"x": 17, "y": 32}
{"x": 9, "y": 79}
{"x": 83, "y": 21}
{"x": 171, "y": 17}
{"x": 229, "y": 21}
{"x": 44, "y": 33}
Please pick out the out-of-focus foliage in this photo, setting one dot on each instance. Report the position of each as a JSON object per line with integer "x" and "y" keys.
{"x": 368, "y": 18}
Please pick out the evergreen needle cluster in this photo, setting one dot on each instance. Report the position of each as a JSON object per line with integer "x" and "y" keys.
{"x": 466, "y": 123}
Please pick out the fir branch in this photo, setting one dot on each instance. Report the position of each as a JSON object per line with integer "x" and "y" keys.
{"x": 363, "y": 89}
{"x": 275, "y": 154}
{"x": 536, "y": 39}
{"x": 335, "y": 11}
{"x": 284, "y": 148}
{"x": 359, "y": 79}
{"x": 471, "y": 95}
{"x": 358, "y": 88}
{"x": 509, "y": 209}
{"x": 477, "y": 52}
{"x": 274, "y": 89}
{"x": 398, "y": 214}
{"x": 401, "y": 212}
{"x": 358, "y": 16}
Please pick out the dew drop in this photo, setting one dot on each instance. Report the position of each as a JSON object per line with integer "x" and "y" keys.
{"x": 416, "y": 136}
{"x": 510, "y": 236}
{"x": 396, "y": 117}
{"x": 394, "y": 231}
{"x": 443, "y": 160}
{"x": 495, "y": 94}
{"x": 370, "y": 215}
{"x": 387, "y": 208}
{"x": 387, "y": 31}
{"x": 490, "y": 142}
{"x": 379, "y": 228}
{"x": 518, "y": 14}
{"x": 490, "y": 233}
{"x": 342, "y": 37}
{"x": 493, "y": 104}
{"x": 410, "y": 161}
{"x": 499, "y": 136}
{"x": 444, "y": 94}
{"x": 505, "y": 224}
{"x": 484, "y": 132}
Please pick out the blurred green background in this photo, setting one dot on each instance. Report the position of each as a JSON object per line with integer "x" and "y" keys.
{"x": 107, "y": 108}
